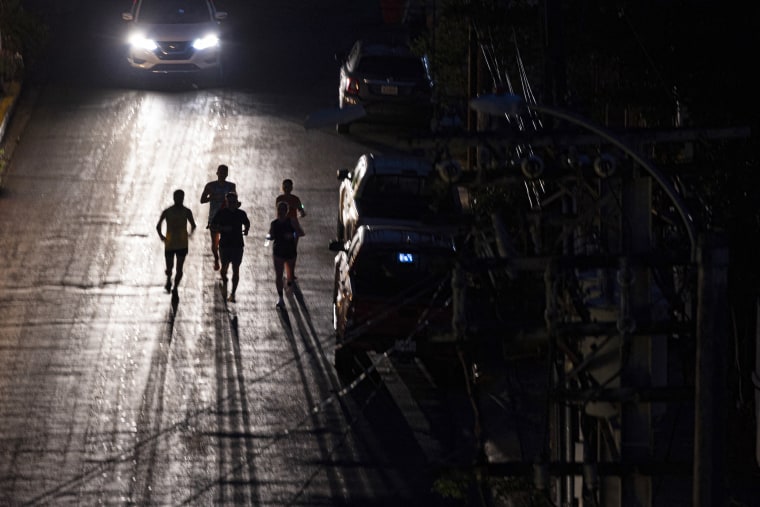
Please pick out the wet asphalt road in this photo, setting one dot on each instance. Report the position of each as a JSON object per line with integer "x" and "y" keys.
{"x": 111, "y": 391}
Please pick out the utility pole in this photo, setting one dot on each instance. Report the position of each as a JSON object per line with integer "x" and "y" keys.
{"x": 555, "y": 84}
{"x": 638, "y": 350}
{"x": 473, "y": 82}
{"x": 709, "y": 413}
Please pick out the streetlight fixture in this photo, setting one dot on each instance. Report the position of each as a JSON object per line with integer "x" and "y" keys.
{"x": 512, "y": 104}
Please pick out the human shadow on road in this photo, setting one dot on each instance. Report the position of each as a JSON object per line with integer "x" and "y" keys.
{"x": 297, "y": 295}
{"x": 282, "y": 312}
{"x": 173, "y": 313}
{"x": 147, "y": 449}
{"x": 234, "y": 425}
{"x": 317, "y": 396}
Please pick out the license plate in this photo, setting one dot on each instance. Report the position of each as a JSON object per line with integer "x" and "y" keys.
{"x": 389, "y": 90}
{"x": 405, "y": 346}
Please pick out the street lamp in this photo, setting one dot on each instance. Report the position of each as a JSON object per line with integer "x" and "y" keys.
{"x": 511, "y": 104}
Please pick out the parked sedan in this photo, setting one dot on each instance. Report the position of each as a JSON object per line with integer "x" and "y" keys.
{"x": 393, "y": 190}
{"x": 392, "y": 288}
{"x": 390, "y": 82}
{"x": 167, "y": 36}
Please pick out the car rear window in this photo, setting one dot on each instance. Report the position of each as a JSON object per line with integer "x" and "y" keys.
{"x": 394, "y": 196}
{"x": 391, "y": 272}
{"x": 390, "y": 185}
{"x": 396, "y": 67}
{"x": 169, "y": 12}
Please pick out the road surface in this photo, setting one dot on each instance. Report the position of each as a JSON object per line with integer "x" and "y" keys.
{"x": 114, "y": 392}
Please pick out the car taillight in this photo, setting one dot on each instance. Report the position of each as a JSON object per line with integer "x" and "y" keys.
{"x": 352, "y": 86}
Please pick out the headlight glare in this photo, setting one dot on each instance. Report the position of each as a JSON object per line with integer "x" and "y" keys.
{"x": 142, "y": 42}
{"x": 206, "y": 42}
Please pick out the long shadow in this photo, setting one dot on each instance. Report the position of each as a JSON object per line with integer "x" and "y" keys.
{"x": 149, "y": 440}
{"x": 68, "y": 488}
{"x": 391, "y": 436}
{"x": 337, "y": 484}
{"x": 250, "y": 452}
{"x": 146, "y": 446}
{"x": 312, "y": 401}
{"x": 151, "y": 413}
{"x": 235, "y": 483}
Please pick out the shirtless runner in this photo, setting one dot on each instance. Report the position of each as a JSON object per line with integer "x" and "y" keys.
{"x": 214, "y": 193}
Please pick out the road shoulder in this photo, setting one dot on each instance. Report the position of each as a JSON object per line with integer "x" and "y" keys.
{"x": 13, "y": 119}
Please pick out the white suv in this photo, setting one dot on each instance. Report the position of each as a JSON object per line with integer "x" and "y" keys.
{"x": 174, "y": 36}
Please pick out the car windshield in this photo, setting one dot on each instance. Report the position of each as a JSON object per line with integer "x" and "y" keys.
{"x": 392, "y": 195}
{"x": 400, "y": 272}
{"x": 169, "y": 12}
{"x": 395, "y": 67}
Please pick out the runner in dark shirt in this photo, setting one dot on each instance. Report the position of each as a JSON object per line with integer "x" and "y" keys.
{"x": 232, "y": 224}
{"x": 283, "y": 232}
{"x": 295, "y": 209}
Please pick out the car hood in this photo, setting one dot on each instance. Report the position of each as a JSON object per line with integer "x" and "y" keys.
{"x": 435, "y": 227}
{"x": 387, "y": 221}
{"x": 177, "y": 32}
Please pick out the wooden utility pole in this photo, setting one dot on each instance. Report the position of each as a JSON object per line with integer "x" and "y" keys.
{"x": 638, "y": 368}
{"x": 710, "y": 409}
{"x": 473, "y": 89}
{"x": 555, "y": 85}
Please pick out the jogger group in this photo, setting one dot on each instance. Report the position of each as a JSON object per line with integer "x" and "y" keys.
{"x": 227, "y": 224}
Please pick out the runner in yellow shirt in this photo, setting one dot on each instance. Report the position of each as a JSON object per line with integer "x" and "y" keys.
{"x": 176, "y": 239}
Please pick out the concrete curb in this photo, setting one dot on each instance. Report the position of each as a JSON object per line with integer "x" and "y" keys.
{"x": 7, "y": 105}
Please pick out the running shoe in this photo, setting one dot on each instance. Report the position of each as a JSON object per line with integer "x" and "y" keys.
{"x": 280, "y": 304}
{"x": 231, "y": 299}
{"x": 217, "y": 267}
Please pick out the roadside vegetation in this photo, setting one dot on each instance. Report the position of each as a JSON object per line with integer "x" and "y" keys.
{"x": 22, "y": 37}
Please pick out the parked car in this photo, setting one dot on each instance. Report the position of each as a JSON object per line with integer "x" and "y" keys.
{"x": 390, "y": 82}
{"x": 168, "y": 36}
{"x": 392, "y": 288}
{"x": 394, "y": 190}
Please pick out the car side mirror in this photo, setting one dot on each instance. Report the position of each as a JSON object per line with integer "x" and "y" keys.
{"x": 343, "y": 174}
{"x": 337, "y": 246}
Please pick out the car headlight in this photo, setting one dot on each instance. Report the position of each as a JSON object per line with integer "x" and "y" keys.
{"x": 141, "y": 42}
{"x": 206, "y": 42}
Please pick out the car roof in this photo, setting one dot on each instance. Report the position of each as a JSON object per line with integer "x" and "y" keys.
{"x": 173, "y": 11}
{"x": 384, "y": 48}
{"x": 397, "y": 164}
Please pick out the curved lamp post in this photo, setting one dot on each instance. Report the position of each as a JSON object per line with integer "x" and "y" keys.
{"x": 514, "y": 104}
